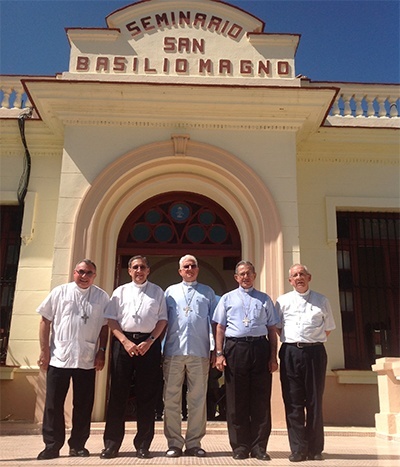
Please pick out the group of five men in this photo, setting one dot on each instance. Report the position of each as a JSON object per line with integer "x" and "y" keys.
{"x": 193, "y": 330}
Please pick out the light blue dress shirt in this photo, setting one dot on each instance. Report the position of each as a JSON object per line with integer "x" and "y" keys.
{"x": 190, "y": 309}
{"x": 245, "y": 312}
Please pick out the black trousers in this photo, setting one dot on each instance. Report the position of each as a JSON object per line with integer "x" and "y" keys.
{"x": 146, "y": 372}
{"x": 248, "y": 393}
{"x": 58, "y": 381}
{"x": 302, "y": 373}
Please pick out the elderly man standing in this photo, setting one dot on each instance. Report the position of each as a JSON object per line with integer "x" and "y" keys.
{"x": 73, "y": 337}
{"x": 187, "y": 354}
{"x": 137, "y": 316}
{"x": 306, "y": 320}
{"x": 245, "y": 318}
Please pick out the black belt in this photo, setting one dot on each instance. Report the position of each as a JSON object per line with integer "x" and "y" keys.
{"x": 301, "y": 345}
{"x": 245, "y": 339}
{"x": 136, "y": 335}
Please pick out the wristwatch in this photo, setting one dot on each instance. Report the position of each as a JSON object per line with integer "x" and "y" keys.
{"x": 219, "y": 354}
{"x": 152, "y": 338}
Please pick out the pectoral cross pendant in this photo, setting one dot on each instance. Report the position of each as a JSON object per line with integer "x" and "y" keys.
{"x": 85, "y": 317}
{"x": 246, "y": 321}
{"x": 187, "y": 309}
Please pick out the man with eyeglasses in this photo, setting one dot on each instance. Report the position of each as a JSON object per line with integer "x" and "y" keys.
{"x": 246, "y": 347}
{"x": 187, "y": 358}
{"x": 73, "y": 337}
{"x": 306, "y": 320}
{"x": 137, "y": 316}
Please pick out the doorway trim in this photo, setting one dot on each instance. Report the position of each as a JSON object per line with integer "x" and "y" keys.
{"x": 156, "y": 168}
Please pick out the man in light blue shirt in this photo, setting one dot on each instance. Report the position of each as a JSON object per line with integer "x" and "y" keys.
{"x": 187, "y": 354}
{"x": 246, "y": 346}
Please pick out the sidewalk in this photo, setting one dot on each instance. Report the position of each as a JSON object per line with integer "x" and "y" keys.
{"x": 20, "y": 443}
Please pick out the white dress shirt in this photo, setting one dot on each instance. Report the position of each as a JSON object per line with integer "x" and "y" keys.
{"x": 137, "y": 307}
{"x": 77, "y": 316}
{"x": 304, "y": 317}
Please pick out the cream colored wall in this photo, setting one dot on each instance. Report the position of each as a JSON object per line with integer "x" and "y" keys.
{"x": 36, "y": 261}
{"x": 352, "y": 181}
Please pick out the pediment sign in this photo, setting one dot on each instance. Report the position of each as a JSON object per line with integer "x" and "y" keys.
{"x": 196, "y": 41}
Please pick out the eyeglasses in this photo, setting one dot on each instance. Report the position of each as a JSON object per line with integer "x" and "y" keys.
{"x": 82, "y": 272}
{"x": 139, "y": 266}
{"x": 190, "y": 266}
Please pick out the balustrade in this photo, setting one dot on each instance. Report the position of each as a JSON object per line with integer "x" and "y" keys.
{"x": 352, "y": 101}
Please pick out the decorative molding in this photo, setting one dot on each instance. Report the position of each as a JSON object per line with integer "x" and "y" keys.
{"x": 348, "y": 160}
{"x": 180, "y": 144}
{"x": 183, "y": 125}
{"x": 338, "y": 203}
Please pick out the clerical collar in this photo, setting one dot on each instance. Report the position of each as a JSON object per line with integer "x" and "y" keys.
{"x": 250, "y": 289}
{"x": 305, "y": 294}
{"x": 139, "y": 286}
{"x": 190, "y": 284}
{"x": 83, "y": 291}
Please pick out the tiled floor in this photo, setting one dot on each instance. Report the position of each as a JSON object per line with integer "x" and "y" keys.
{"x": 343, "y": 447}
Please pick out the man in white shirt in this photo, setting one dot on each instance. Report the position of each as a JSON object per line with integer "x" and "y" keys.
{"x": 137, "y": 316}
{"x": 187, "y": 355}
{"x": 73, "y": 337}
{"x": 306, "y": 320}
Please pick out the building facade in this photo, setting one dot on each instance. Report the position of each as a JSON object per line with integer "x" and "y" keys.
{"x": 185, "y": 129}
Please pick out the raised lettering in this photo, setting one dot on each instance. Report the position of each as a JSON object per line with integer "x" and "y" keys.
{"x": 283, "y": 68}
{"x": 184, "y": 19}
{"x": 147, "y": 67}
{"x": 200, "y": 20}
{"x": 119, "y": 64}
{"x": 146, "y": 23}
{"x": 214, "y": 22}
{"x": 133, "y": 28}
{"x": 82, "y": 64}
{"x": 246, "y": 67}
{"x": 225, "y": 67}
{"x": 181, "y": 65}
{"x": 199, "y": 46}
{"x": 263, "y": 68}
{"x": 162, "y": 19}
{"x": 205, "y": 66}
{"x": 235, "y": 31}
{"x": 184, "y": 45}
{"x": 103, "y": 64}
{"x": 169, "y": 44}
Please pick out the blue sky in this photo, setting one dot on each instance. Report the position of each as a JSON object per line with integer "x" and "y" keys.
{"x": 341, "y": 40}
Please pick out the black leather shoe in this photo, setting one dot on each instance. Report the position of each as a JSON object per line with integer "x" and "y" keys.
{"x": 260, "y": 454}
{"x": 173, "y": 452}
{"x": 48, "y": 453}
{"x": 195, "y": 452}
{"x": 240, "y": 454}
{"x": 143, "y": 453}
{"x": 79, "y": 452}
{"x": 108, "y": 453}
{"x": 316, "y": 457}
{"x": 297, "y": 457}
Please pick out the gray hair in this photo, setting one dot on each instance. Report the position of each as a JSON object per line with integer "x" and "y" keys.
{"x": 186, "y": 257}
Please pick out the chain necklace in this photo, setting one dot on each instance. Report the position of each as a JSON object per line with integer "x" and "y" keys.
{"x": 188, "y": 300}
{"x": 246, "y": 320}
{"x": 141, "y": 293}
{"x": 83, "y": 305}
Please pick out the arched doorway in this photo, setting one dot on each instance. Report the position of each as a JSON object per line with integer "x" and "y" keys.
{"x": 152, "y": 170}
{"x": 170, "y": 225}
